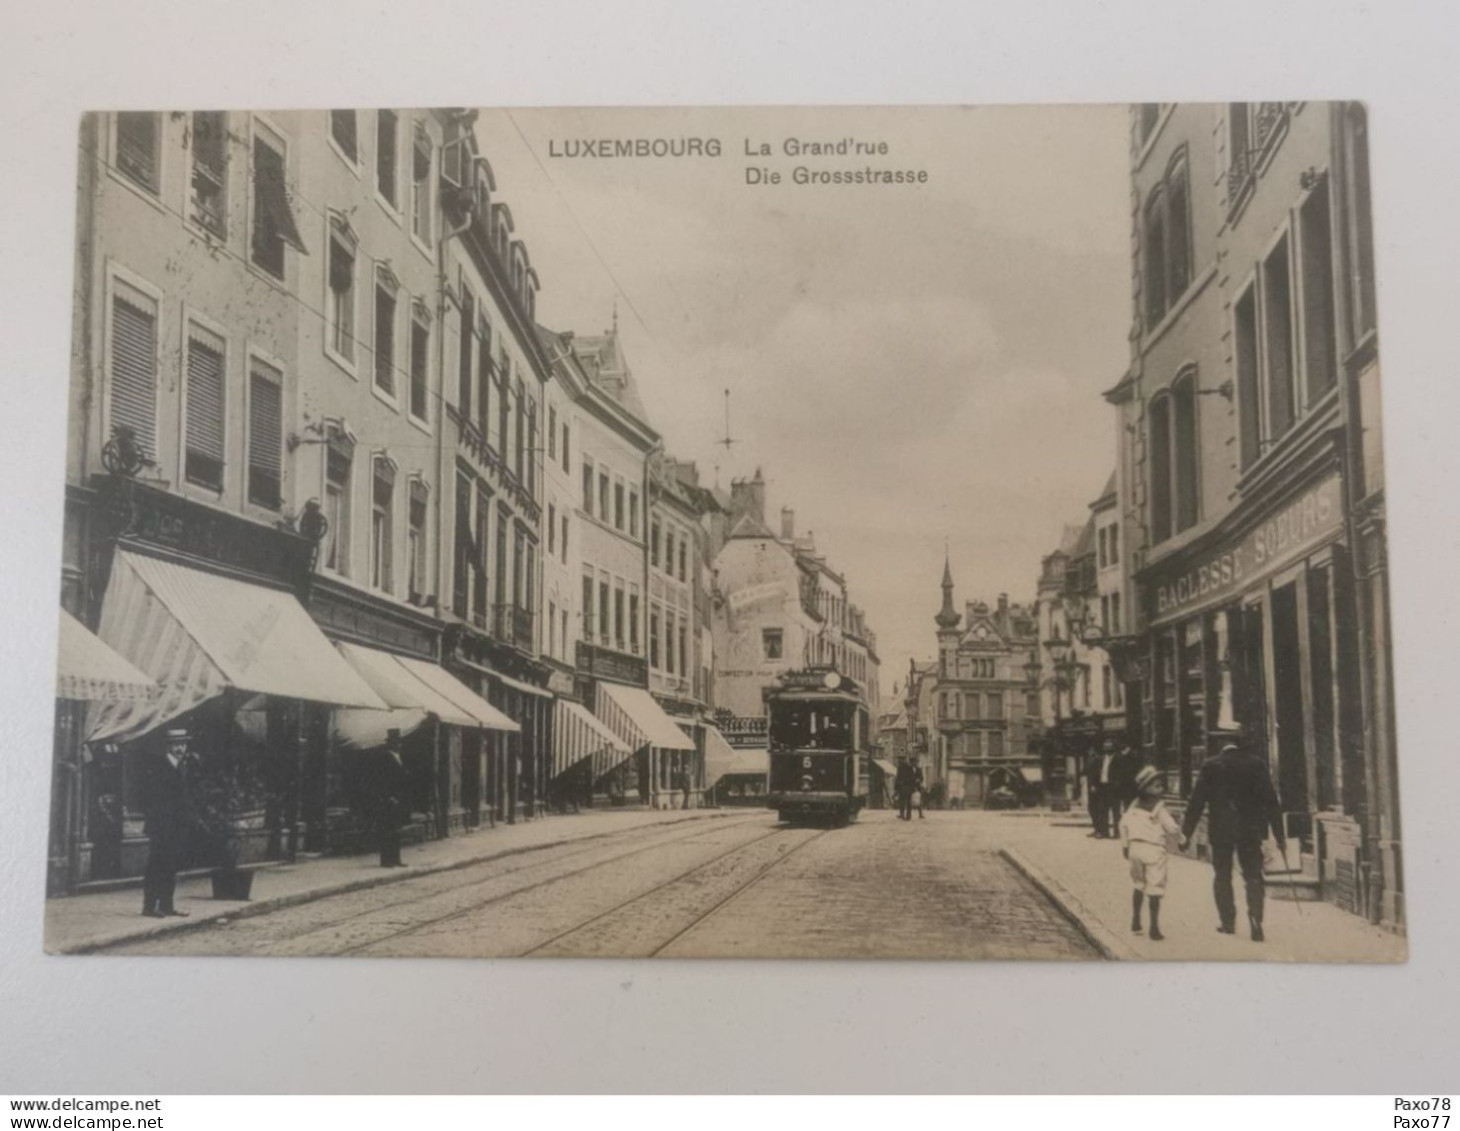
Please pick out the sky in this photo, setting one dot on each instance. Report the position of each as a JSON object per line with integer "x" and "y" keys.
{"x": 910, "y": 365}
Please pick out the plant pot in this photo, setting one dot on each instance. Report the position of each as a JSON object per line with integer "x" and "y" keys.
{"x": 232, "y": 884}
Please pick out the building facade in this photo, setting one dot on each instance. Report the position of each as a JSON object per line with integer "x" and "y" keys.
{"x": 779, "y": 607}
{"x": 986, "y": 714}
{"x": 1252, "y": 457}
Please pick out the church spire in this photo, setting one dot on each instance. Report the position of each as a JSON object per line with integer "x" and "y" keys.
{"x": 947, "y": 617}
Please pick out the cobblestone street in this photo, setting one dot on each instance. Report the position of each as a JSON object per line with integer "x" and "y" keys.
{"x": 739, "y": 886}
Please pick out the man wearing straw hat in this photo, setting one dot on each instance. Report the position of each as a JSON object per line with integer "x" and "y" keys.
{"x": 166, "y": 826}
{"x": 1235, "y": 790}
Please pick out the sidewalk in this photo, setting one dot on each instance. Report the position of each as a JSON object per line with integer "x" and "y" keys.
{"x": 1090, "y": 880}
{"x": 79, "y": 924}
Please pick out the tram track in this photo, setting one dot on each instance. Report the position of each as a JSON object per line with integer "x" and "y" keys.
{"x": 460, "y": 913}
{"x": 657, "y": 889}
{"x": 408, "y": 894}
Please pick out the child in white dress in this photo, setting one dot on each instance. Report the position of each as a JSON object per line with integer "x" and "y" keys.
{"x": 1148, "y": 831}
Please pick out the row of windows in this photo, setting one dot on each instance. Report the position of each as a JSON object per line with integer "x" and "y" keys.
{"x": 137, "y": 156}
{"x": 208, "y": 364}
{"x": 979, "y": 744}
{"x": 1108, "y": 546}
{"x": 673, "y": 556}
{"x": 676, "y": 633}
{"x": 1110, "y": 613}
{"x": 512, "y": 429}
{"x": 611, "y": 612}
{"x": 971, "y": 705}
{"x": 1285, "y": 357}
{"x": 609, "y": 498}
{"x": 339, "y": 507}
{"x": 501, "y": 598}
{"x": 389, "y": 308}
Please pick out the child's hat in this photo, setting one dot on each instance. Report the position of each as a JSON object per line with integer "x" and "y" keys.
{"x": 1146, "y": 776}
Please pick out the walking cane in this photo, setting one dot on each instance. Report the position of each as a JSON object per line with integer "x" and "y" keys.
{"x": 1288, "y": 871}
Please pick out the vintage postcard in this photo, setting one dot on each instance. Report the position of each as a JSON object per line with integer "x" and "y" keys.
{"x": 943, "y": 532}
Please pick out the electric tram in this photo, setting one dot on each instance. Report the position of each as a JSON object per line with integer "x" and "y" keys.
{"x": 818, "y": 737}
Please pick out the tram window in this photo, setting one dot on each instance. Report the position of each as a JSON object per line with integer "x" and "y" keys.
{"x": 823, "y": 725}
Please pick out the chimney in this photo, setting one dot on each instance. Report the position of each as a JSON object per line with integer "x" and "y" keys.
{"x": 788, "y": 524}
{"x": 747, "y": 496}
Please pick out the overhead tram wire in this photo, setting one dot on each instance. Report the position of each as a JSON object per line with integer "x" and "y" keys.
{"x": 593, "y": 247}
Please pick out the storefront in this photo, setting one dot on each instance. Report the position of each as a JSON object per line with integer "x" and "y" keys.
{"x": 241, "y": 665}
{"x": 501, "y": 776}
{"x": 663, "y": 752}
{"x": 1246, "y": 629}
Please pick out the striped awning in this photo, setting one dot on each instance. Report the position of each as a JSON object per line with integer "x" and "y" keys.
{"x": 200, "y": 634}
{"x": 87, "y": 668}
{"x": 578, "y": 735}
{"x": 447, "y": 686}
{"x": 632, "y": 714}
{"x": 886, "y": 767}
{"x": 401, "y": 688}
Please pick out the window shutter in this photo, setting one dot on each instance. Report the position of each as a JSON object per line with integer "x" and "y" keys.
{"x": 136, "y": 155}
{"x": 134, "y": 367}
{"x": 275, "y": 216}
{"x": 265, "y": 435}
{"x": 204, "y": 458}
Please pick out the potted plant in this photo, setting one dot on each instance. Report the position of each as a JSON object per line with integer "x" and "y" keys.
{"x": 215, "y": 805}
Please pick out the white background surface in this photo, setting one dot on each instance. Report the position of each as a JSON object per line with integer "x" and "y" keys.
{"x": 194, "y": 1025}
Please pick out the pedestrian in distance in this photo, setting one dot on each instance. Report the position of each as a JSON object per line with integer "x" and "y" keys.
{"x": 1098, "y": 769}
{"x": 1148, "y": 833}
{"x": 902, "y": 789}
{"x": 389, "y": 779}
{"x": 918, "y": 790}
{"x": 1235, "y": 791}
{"x": 166, "y": 811}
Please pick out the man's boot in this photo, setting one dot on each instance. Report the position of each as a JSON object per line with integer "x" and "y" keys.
{"x": 1254, "y": 908}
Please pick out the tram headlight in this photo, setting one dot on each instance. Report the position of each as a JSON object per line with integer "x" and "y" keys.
{"x": 807, "y": 782}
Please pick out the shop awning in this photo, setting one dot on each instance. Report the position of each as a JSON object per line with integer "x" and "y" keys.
{"x": 401, "y": 688}
{"x": 439, "y": 680}
{"x": 632, "y": 714}
{"x": 1031, "y": 774}
{"x": 719, "y": 757}
{"x": 577, "y": 735}
{"x": 519, "y": 685}
{"x": 200, "y": 634}
{"x": 87, "y": 668}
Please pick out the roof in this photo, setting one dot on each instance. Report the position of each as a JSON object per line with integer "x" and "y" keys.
{"x": 1106, "y": 499}
{"x": 603, "y": 360}
{"x": 751, "y": 527}
{"x": 1085, "y": 543}
{"x": 1070, "y": 541}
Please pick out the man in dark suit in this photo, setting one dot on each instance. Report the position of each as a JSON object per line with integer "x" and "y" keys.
{"x": 902, "y": 788}
{"x": 166, "y": 812}
{"x": 388, "y": 783}
{"x": 1235, "y": 790}
{"x": 1098, "y": 769}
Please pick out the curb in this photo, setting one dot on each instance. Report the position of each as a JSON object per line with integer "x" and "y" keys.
{"x": 293, "y": 899}
{"x": 1111, "y": 946}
